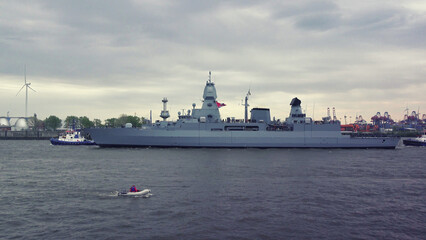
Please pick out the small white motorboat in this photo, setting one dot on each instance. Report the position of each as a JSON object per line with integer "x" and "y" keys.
{"x": 144, "y": 192}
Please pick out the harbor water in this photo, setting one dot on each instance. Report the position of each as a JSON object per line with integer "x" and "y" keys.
{"x": 69, "y": 192}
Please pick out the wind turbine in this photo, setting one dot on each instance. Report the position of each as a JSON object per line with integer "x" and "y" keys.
{"x": 27, "y": 85}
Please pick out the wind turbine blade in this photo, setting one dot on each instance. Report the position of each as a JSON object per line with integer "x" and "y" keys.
{"x": 32, "y": 89}
{"x": 20, "y": 89}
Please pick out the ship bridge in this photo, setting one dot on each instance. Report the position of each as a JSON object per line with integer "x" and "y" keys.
{"x": 209, "y": 112}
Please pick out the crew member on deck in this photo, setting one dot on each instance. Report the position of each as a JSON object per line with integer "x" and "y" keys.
{"x": 133, "y": 189}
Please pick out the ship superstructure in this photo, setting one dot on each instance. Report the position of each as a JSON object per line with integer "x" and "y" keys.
{"x": 204, "y": 127}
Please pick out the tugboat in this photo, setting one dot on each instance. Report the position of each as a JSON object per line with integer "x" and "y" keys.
{"x": 420, "y": 141}
{"x": 71, "y": 137}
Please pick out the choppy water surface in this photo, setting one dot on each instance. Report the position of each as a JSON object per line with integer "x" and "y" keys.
{"x": 67, "y": 192}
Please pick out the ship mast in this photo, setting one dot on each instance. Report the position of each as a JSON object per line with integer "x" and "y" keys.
{"x": 164, "y": 114}
{"x": 246, "y": 106}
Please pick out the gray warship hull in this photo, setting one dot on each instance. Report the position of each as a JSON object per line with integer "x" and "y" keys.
{"x": 308, "y": 138}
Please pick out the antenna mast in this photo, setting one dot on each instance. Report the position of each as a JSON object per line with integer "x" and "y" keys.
{"x": 164, "y": 114}
{"x": 246, "y": 107}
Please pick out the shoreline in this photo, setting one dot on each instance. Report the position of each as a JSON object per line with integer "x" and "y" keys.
{"x": 28, "y": 135}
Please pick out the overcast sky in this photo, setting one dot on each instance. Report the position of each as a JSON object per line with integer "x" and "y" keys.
{"x": 103, "y": 58}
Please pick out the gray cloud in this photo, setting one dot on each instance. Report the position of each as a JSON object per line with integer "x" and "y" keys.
{"x": 130, "y": 54}
{"x": 320, "y": 22}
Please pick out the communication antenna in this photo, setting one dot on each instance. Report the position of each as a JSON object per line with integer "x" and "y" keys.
{"x": 165, "y": 113}
{"x": 246, "y": 106}
{"x": 27, "y": 85}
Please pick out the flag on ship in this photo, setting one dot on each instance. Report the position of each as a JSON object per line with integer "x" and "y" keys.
{"x": 220, "y": 104}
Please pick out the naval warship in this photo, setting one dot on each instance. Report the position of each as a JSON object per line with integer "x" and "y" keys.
{"x": 205, "y": 128}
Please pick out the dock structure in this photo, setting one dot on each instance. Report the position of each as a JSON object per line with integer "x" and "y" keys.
{"x": 28, "y": 135}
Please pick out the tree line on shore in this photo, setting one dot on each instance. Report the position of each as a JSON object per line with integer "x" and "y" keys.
{"x": 53, "y": 122}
